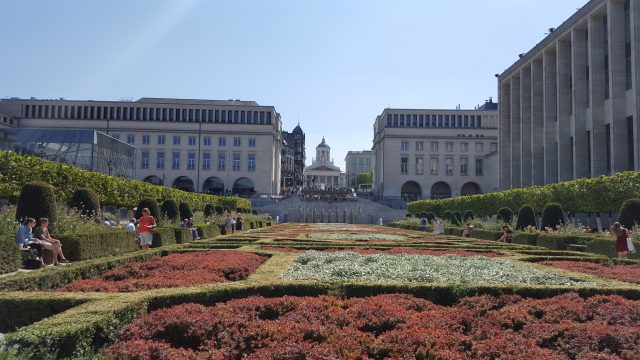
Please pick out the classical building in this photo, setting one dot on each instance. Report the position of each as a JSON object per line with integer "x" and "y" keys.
{"x": 213, "y": 146}
{"x": 432, "y": 154}
{"x": 569, "y": 107}
{"x": 357, "y": 162}
{"x": 322, "y": 174}
{"x": 293, "y": 145}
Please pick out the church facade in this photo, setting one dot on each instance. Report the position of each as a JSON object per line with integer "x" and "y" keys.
{"x": 322, "y": 174}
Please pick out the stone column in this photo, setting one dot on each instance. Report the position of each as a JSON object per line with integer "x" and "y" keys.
{"x": 565, "y": 107}
{"x": 596, "y": 86}
{"x": 550, "y": 117}
{"x": 525, "y": 116}
{"x": 579, "y": 118}
{"x": 515, "y": 132}
{"x": 537, "y": 118}
{"x": 504, "y": 135}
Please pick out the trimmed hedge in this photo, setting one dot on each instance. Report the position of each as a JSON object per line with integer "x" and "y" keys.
{"x": 10, "y": 258}
{"x": 485, "y": 234}
{"x": 505, "y": 214}
{"x": 163, "y": 236}
{"x": 94, "y": 245}
{"x": 560, "y": 242}
{"x": 526, "y": 217}
{"x": 185, "y": 211}
{"x": 607, "y": 247}
{"x": 27, "y": 310}
{"x": 16, "y": 170}
{"x": 525, "y": 238}
{"x": 183, "y": 235}
{"x": 150, "y": 204}
{"x": 86, "y": 201}
{"x": 552, "y": 216}
{"x": 208, "y": 231}
{"x": 36, "y": 200}
{"x": 586, "y": 195}
{"x": 630, "y": 213}
{"x": 170, "y": 209}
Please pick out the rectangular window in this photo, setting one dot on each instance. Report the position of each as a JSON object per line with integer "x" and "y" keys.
{"x": 251, "y": 162}
{"x": 252, "y": 142}
{"x": 434, "y": 146}
{"x": 161, "y": 139}
{"x": 404, "y": 165}
{"x": 434, "y": 166}
{"x": 440, "y": 120}
{"x": 191, "y": 161}
{"x": 175, "y": 161}
{"x": 404, "y": 146}
{"x": 222, "y": 141}
{"x": 192, "y": 140}
{"x": 146, "y": 139}
{"x": 446, "y": 121}
{"x": 236, "y": 142}
{"x": 419, "y": 146}
{"x": 449, "y": 146}
{"x": 395, "y": 120}
{"x": 421, "y": 121}
{"x": 448, "y": 164}
{"x": 479, "y": 147}
{"x": 131, "y": 139}
{"x": 176, "y": 140}
{"x": 206, "y": 161}
{"x": 493, "y": 147}
{"x": 419, "y": 166}
{"x": 401, "y": 120}
{"x": 222, "y": 161}
{"x": 207, "y": 141}
{"x": 464, "y": 166}
{"x": 464, "y": 146}
{"x": 479, "y": 170}
{"x": 389, "y": 120}
{"x": 144, "y": 164}
{"x": 236, "y": 162}
{"x": 414, "y": 122}
{"x": 160, "y": 160}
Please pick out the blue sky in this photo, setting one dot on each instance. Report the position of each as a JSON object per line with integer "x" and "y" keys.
{"x": 334, "y": 65}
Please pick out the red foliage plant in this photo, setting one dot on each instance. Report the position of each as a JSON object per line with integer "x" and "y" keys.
{"x": 388, "y": 327}
{"x": 628, "y": 273}
{"x": 174, "y": 270}
{"x": 393, "y": 251}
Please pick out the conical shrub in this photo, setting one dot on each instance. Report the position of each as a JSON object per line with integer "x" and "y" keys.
{"x": 149, "y": 203}
{"x": 468, "y": 216}
{"x": 37, "y": 200}
{"x": 185, "y": 211}
{"x": 209, "y": 210}
{"x": 170, "y": 209}
{"x": 630, "y": 213}
{"x": 552, "y": 215}
{"x": 86, "y": 201}
{"x": 526, "y": 217}
{"x": 505, "y": 214}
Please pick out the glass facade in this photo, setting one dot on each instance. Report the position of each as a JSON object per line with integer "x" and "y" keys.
{"x": 86, "y": 149}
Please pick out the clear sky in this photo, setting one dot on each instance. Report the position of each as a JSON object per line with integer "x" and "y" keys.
{"x": 332, "y": 64}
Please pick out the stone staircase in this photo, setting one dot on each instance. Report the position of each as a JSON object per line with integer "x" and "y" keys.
{"x": 361, "y": 211}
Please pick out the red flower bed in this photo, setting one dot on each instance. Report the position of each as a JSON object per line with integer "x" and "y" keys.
{"x": 185, "y": 269}
{"x": 628, "y": 273}
{"x": 388, "y": 327}
{"x": 393, "y": 251}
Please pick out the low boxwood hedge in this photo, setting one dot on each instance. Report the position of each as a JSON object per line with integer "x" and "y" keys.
{"x": 485, "y": 234}
{"x": 164, "y": 236}
{"x": 526, "y": 238}
{"x": 560, "y": 242}
{"x": 208, "y": 231}
{"x": 183, "y": 235}
{"x": 90, "y": 246}
{"x": 605, "y": 246}
{"x": 10, "y": 258}
{"x": 17, "y": 310}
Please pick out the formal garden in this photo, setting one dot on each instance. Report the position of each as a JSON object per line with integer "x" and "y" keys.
{"x": 312, "y": 291}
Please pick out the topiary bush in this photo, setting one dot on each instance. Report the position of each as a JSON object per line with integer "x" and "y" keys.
{"x": 37, "y": 200}
{"x": 456, "y": 218}
{"x": 209, "y": 210}
{"x": 552, "y": 215}
{"x": 239, "y": 210}
{"x": 86, "y": 201}
{"x": 447, "y": 215}
{"x": 185, "y": 211}
{"x": 505, "y": 214}
{"x": 170, "y": 209}
{"x": 430, "y": 216}
{"x": 254, "y": 212}
{"x": 468, "y": 216}
{"x": 526, "y": 217}
{"x": 630, "y": 213}
{"x": 219, "y": 210}
{"x": 151, "y": 204}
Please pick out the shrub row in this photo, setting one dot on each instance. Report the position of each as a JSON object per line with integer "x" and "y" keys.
{"x": 594, "y": 244}
{"x": 587, "y": 195}
{"x": 56, "y": 337}
{"x": 16, "y": 170}
{"x": 10, "y": 258}
{"x": 90, "y": 246}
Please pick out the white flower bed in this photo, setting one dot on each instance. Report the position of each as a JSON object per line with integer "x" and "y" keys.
{"x": 356, "y": 237}
{"x": 418, "y": 268}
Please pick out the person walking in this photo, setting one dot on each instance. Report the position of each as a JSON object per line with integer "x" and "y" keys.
{"x": 620, "y": 234}
{"x": 239, "y": 223}
{"x": 146, "y": 225}
{"x": 227, "y": 224}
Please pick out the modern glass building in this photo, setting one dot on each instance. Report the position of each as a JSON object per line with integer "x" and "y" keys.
{"x": 86, "y": 149}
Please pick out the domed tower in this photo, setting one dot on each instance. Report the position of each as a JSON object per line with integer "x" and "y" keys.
{"x": 323, "y": 152}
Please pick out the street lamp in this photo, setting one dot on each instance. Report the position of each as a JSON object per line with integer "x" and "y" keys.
{"x": 109, "y": 167}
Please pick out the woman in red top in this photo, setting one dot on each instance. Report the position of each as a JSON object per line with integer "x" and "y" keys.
{"x": 145, "y": 225}
{"x": 620, "y": 234}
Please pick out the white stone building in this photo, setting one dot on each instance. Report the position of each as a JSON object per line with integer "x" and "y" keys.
{"x": 357, "y": 162}
{"x": 213, "y": 146}
{"x": 431, "y": 154}
{"x": 322, "y": 174}
{"x": 569, "y": 107}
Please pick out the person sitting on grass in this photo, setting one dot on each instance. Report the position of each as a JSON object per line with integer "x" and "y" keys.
{"x": 507, "y": 235}
{"x": 146, "y": 224}
{"x": 42, "y": 233}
